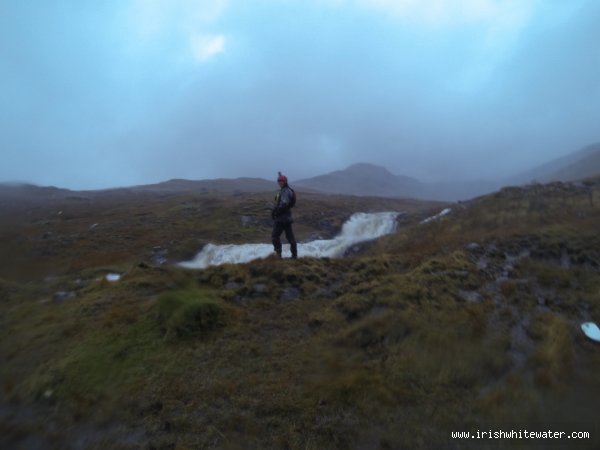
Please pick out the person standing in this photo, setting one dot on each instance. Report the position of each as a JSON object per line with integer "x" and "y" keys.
{"x": 282, "y": 217}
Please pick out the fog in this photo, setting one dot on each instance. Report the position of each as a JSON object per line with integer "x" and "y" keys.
{"x": 123, "y": 92}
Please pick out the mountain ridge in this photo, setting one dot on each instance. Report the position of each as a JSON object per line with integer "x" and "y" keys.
{"x": 573, "y": 166}
{"x": 363, "y": 179}
{"x": 369, "y": 179}
{"x": 359, "y": 179}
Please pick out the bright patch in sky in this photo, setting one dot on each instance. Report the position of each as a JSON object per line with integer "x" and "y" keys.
{"x": 205, "y": 47}
{"x": 181, "y": 26}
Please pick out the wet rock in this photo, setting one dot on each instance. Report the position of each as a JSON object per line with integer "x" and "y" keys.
{"x": 378, "y": 310}
{"x": 482, "y": 264}
{"x": 61, "y": 296}
{"x": 48, "y": 393}
{"x": 492, "y": 251}
{"x": 241, "y": 300}
{"x": 325, "y": 293}
{"x": 259, "y": 289}
{"x": 359, "y": 248}
{"x": 565, "y": 260}
{"x": 159, "y": 256}
{"x": 247, "y": 221}
{"x": 473, "y": 247}
{"x": 288, "y": 295}
{"x": 459, "y": 273}
{"x": 470, "y": 296}
{"x": 506, "y": 271}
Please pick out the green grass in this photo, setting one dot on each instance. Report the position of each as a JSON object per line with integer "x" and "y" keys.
{"x": 189, "y": 313}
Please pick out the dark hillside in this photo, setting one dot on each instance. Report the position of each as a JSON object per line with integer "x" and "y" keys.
{"x": 466, "y": 322}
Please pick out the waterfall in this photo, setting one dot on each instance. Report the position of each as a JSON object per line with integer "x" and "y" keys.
{"x": 360, "y": 227}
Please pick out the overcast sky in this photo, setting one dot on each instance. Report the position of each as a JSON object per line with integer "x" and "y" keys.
{"x": 108, "y": 93}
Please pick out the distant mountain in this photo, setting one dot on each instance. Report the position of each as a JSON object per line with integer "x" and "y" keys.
{"x": 372, "y": 180}
{"x": 575, "y": 166}
{"x": 364, "y": 179}
{"x": 221, "y": 185}
{"x": 26, "y": 190}
{"x": 361, "y": 179}
{"x": 17, "y": 191}
{"x": 368, "y": 179}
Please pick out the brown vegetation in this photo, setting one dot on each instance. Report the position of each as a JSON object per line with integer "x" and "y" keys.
{"x": 467, "y": 322}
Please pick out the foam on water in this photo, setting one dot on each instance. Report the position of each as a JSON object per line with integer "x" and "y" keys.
{"x": 360, "y": 227}
{"x": 113, "y": 277}
{"x": 438, "y": 216}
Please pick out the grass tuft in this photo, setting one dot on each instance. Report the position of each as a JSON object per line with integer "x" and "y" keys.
{"x": 191, "y": 312}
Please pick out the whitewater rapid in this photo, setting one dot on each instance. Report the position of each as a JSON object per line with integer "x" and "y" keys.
{"x": 360, "y": 227}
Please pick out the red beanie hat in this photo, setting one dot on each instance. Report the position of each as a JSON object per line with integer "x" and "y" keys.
{"x": 281, "y": 178}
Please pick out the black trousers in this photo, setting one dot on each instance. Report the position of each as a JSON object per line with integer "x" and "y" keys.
{"x": 278, "y": 228}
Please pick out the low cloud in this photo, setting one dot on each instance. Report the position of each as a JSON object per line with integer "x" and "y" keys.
{"x": 134, "y": 91}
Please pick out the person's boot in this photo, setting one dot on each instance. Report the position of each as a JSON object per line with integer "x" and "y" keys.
{"x": 277, "y": 248}
{"x": 294, "y": 249}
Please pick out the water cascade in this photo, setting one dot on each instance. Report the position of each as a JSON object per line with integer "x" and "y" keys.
{"x": 359, "y": 228}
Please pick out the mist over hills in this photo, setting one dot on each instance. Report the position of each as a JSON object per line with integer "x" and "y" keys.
{"x": 575, "y": 166}
{"x": 362, "y": 179}
{"x": 368, "y": 179}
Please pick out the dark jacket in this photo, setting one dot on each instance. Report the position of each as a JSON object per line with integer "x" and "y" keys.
{"x": 282, "y": 212}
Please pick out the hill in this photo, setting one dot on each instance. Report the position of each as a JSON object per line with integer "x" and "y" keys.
{"x": 28, "y": 191}
{"x": 369, "y": 179}
{"x": 221, "y": 185}
{"x": 467, "y": 321}
{"x": 361, "y": 179}
{"x": 364, "y": 179}
{"x": 574, "y": 166}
